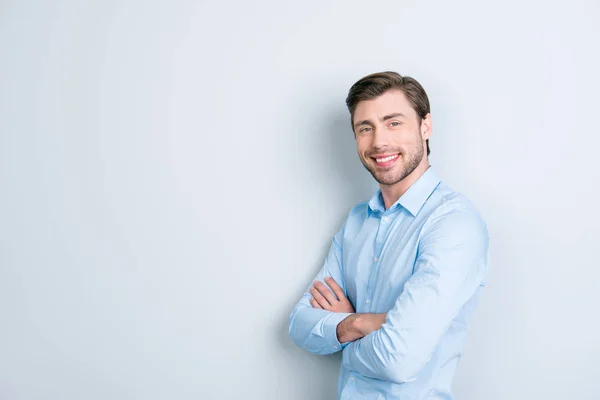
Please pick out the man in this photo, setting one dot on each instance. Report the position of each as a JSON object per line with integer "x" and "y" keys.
{"x": 404, "y": 273}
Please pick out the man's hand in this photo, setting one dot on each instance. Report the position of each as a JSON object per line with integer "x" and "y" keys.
{"x": 357, "y": 326}
{"x": 322, "y": 297}
{"x": 352, "y": 327}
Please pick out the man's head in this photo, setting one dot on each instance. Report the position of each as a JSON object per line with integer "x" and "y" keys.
{"x": 391, "y": 121}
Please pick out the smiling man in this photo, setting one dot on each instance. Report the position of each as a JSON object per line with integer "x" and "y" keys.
{"x": 405, "y": 271}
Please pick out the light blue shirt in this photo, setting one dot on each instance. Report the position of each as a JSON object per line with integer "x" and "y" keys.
{"x": 423, "y": 261}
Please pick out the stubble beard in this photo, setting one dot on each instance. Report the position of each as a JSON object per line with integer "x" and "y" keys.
{"x": 408, "y": 163}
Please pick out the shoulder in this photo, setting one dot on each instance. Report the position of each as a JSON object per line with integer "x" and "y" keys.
{"x": 355, "y": 219}
{"x": 452, "y": 213}
{"x": 360, "y": 210}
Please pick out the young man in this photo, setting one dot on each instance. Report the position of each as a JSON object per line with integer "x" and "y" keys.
{"x": 404, "y": 273}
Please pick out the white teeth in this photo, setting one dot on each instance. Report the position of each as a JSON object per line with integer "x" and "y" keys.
{"x": 380, "y": 160}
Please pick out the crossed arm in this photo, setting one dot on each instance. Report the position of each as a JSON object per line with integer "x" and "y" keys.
{"x": 395, "y": 346}
{"x": 332, "y": 298}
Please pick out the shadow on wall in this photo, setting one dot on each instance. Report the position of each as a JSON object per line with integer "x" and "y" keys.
{"x": 337, "y": 167}
{"x": 342, "y": 171}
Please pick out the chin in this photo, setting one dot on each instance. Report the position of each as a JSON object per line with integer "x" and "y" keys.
{"x": 388, "y": 182}
{"x": 388, "y": 178}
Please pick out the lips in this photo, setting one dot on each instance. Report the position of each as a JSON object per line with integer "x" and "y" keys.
{"x": 385, "y": 160}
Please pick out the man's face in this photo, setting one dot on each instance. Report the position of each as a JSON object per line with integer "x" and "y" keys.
{"x": 390, "y": 136}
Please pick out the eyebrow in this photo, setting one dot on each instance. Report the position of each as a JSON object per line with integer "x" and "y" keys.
{"x": 385, "y": 118}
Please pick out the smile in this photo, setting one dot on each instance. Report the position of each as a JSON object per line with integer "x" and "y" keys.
{"x": 384, "y": 161}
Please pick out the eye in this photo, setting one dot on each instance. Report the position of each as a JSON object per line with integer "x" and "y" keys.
{"x": 364, "y": 129}
{"x": 395, "y": 123}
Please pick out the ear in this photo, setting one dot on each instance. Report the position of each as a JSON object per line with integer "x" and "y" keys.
{"x": 426, "y": 126}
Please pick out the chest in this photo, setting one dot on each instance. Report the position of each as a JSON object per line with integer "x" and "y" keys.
{"x": 378, "y": 258}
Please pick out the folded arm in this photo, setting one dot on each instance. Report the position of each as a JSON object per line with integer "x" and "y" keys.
{"x": 451, "y": 264}
{"x": 313, "y": 327}
{"x": 359, "y": 325}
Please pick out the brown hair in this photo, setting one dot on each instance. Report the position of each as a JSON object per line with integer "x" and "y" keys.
{"x": 374, "y": 85}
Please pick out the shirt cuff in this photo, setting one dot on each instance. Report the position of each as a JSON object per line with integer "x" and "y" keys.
{"x": 330, "y": 330}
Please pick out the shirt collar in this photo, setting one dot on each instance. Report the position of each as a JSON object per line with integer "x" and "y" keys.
{"x": 414, "y": 198}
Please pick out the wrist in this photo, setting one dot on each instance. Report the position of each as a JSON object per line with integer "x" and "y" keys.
{"x": 367, "y": 323}
{"x": 361, "y": 324}
{"x": 357, "y": 326}
{"x": 346, "y": 329}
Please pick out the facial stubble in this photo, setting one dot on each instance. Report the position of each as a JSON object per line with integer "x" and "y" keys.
{"x": 390, "y": 176}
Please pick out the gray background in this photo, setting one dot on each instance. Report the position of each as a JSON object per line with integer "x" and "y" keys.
{"x": 172, "y": 173}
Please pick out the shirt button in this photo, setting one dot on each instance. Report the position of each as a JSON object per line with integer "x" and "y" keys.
{"x": 351, "y": 378}
{"x": 368, "y": 301}
{"x": 335, "y": 347}
{"x": 384, "y": 220}
{"x": 376, "y": 259}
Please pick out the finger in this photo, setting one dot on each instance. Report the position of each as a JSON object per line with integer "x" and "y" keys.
{"x": 326, "y": 292}
{"x": 339, "y": 292}
{"x": 319, "y": 298}
{"x": 314, "y": 303}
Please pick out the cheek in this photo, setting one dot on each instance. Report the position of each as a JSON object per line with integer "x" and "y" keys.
{"x": 361, "y": 146}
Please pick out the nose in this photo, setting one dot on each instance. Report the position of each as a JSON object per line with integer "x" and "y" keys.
{"x": 381, "y": 138}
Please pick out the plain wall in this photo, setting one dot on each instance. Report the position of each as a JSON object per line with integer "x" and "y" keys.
{"x": 171, "y": 175}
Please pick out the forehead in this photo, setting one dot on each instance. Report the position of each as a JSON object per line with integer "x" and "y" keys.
{"x": 392, "y": 101}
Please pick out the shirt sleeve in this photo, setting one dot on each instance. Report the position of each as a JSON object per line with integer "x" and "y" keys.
{"x": 314, "y": 329}
{"x": 452, "y": 261}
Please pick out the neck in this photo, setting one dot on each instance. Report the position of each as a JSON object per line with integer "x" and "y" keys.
{"x": 391, "y": 193}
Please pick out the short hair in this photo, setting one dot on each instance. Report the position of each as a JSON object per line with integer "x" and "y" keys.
{"x": 374, "y": 85}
